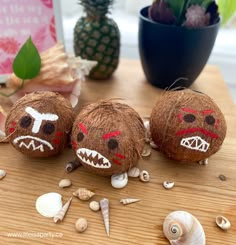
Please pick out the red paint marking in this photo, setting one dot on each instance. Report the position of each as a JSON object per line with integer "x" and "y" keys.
{"x": 207, "y": 112}
{"x": 59, "y": 134}
{"x": 13, "y": 124}
{"x": 56, "y": 141}
{"x": 83, "y": 128}
{"x": 194, "y": 130}
{"x": 180, "y": 117}
{"x": 111, "y": 134}
{"x": 116, "y": 161}
{"x": 217, "y": 123}
{"x": 189, "y": 110}
{"x": 120, "y": 156}
{"x": 73, "y": 143}
{"x": 11, "y": 130}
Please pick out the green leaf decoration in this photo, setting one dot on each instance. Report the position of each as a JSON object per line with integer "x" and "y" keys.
{"x": 27, "y": 62}
{"x": 226, "y": 8}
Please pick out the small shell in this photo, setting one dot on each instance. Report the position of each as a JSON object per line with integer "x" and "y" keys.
{"x": 95, "y": 206}
{"x": 182, "y": 228}
{"x": 83, "y": 194}
{"x": 119, "y": 181}
{"x": 134, "y": 172}
{"x": 126, "y": 201}
{"x": 61, "y": 214}
{"x": 104, "y": 204}
{"x": 2, "y": 173}
{"x": 146, "y": 152}
{"x": 49, "y": 204}
{"x": 168, "y": 184}
{"x": 81, "y": 225}
{"x": 223, "y": 222}
{"x": 144, "y": 176}
{"x": 147, "y": 131}
{"x": 65, "y": 183}
{"x": 203, "y": 162}
{"x": 153, "y": 145}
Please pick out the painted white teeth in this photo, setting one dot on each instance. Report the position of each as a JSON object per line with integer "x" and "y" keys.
{"x": 195, "y": 143}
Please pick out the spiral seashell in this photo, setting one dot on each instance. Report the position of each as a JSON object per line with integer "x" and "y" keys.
{"x": 144, "y": 176}
{"x": 134, "y": 172}
{"x": 182, "y": 228}
{"x": 126, "y": 201}
{"x": 104, "y": 204}
{"x": 95, "y": 206}
{"x": 119, "y": 181}
{"x": 223, "y": 222}
{"x": 61, "y": 214}
{"x": 83, "y": 194}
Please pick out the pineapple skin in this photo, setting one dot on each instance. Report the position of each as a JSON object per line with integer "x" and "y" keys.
{"x": 98, "y": 40}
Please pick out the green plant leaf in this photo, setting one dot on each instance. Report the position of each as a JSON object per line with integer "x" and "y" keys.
{"x": 27, "y": 62}
{"x": 226, "y": 8}
{"x": 178, "y": 7}
{"x": 202, "y": 3}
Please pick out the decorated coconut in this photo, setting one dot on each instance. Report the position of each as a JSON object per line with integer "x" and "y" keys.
{"x": 108, "y": 138}
{"x": 39, "y": 123}
{"x": 187, "y": 126}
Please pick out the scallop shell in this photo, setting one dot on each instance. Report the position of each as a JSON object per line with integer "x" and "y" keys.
{"x": 168, "y": 184}
{"x": 95, "y": 206}
{"x": 2, "y": 173}
{"x": 61, "y": 214}
{"x": 83, "y": 194}
{"x": 134, "y": 172}
{"x": 81, "y": 225}
{"x": 144, "y": 176}
{"x": 49, "y": 204}
{"x": 126, "y": 201}
{"x": 182, "y": 228}
{"x": 119, "y": 181}
{"x": 64, "y": 183}
{"x": 104, "y": 204}
{"x": 223, "y": 222}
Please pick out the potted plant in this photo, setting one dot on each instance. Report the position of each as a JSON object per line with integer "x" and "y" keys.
{"x": 176, "y": 38}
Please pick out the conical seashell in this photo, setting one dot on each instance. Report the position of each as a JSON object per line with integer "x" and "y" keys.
{"x": 83, "y": 194}
{"x": 61, "y": 214}
{"x": 126, "y": 201}
{"x": 144, "y": 176}
{"x": 104, "y": 204}
{"x": 182, "y": 228}
{"x": 94, "y": 205}
{"x": 2, "y": 173}
{"x": 168, "y": 184}
{"x": 223, "y": 222}
{"x": 134, "y": 172}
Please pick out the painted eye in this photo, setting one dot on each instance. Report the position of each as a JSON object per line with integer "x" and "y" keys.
{"x": 210, "y": 120}
{"x": 25, "y": 121}
{"x": 112, "y": 144}
{"x": 80, "y": 136}
{"x": 189, "y": 118}
{"x": 48, "y": 128}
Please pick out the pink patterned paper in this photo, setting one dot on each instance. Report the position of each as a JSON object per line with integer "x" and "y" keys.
{"x": 20, "y": 19}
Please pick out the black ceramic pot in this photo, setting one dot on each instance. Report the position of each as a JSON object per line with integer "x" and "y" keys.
{"x": 170, "y": 52}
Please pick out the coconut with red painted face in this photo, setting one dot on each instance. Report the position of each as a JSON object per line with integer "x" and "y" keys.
{"x": 108, "y": 137}
{"x": 39, "y": 123}
{"x": 187, "y": 126}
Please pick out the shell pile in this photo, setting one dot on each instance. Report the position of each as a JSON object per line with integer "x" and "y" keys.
{"x": 83, "y": 194}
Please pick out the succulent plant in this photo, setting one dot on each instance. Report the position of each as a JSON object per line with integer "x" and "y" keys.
{"x": 189, "y": 13}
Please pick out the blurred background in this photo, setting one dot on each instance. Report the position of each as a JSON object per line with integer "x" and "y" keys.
{"x": 125, "y": 13}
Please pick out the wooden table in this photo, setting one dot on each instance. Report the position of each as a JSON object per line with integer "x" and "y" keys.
{"x": 198, "y": 189}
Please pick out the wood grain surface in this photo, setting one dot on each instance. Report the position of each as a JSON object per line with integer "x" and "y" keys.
{"x": 198, "y": 189}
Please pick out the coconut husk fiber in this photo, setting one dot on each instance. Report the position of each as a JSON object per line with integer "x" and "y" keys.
{"x": 39, "y": 123}
{"x": 109, "y": 131}
{"x": 187, "y": 126}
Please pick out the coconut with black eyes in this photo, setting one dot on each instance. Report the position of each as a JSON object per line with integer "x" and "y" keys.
{"x": 187, "y": 126}
{"x": 108, "y": 137}
{"x": 39, "y": 123}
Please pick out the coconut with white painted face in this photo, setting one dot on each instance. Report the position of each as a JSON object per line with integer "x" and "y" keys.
{"x": 39, "y": 123}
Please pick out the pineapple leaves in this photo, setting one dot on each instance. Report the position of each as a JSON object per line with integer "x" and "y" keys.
{"x": 226, "y": 8}
{"x": 27, "y": 62}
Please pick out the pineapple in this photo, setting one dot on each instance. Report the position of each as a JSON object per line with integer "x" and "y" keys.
{"x": 97, "y": 37}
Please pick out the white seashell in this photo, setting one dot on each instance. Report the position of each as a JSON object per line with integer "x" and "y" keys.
{"x": 203, "y": 162}
{"x": 147, "y": 131}
{"x": 49, "y": 204}
{"x": 223, "y": 222}
{"x": 182, "y": 228}
{"x": 81, "y": 225}
{"x": 65, "y": 183}
{"x": 146, "y": 152}
{"x": 153, "y": 145}
{"x": 126, "y": 201}
{"x": 95, "y": 206}
{"x": 144, "y": 176}
{"x": 104, "y": 204}
{"x": 83, "y": 194}
{"x": 2, "y": 173}
{"x": 119, "y": 181}
{"x": 168, "y": 184}
{"x": 61, "y": 214}
{"x": 134, "y": 172}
